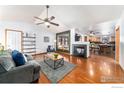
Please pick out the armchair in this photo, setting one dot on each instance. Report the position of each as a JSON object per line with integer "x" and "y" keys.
{"x": 50, "y": 49}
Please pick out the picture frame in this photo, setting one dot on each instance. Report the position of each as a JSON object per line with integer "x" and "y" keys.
{"x": 46, "y": 39}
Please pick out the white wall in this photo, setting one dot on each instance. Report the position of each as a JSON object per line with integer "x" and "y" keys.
{"x": 72, "y": 40}
{"x": 30, "y": 28}
{"x": 121, "y": 23}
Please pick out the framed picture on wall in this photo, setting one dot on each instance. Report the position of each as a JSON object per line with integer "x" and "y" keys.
{"x": 105, "y": 39}
{"x": 46, "y": 39}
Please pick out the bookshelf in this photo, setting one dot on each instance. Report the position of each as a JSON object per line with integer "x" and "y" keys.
{"x": 29, "y": 43}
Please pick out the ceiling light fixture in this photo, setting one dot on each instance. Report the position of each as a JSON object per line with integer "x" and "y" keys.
{"x": 46, "y": 23}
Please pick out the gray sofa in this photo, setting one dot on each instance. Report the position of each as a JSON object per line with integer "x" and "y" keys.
{"x": 27, "y": 73}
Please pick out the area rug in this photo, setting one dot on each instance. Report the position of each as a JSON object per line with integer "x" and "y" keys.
{"x": 56, "y": 75}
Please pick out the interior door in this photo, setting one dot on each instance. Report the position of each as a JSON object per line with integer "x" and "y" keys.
{"x": 117, "y": 41}
{"x": 13, "y": 39}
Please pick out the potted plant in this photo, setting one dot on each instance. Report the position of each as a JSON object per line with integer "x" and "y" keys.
{"x": 1, "y": 48}
{"x": 55, "y": 55}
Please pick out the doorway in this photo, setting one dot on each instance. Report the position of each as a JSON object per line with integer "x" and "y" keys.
{"x": 13, "y": 39}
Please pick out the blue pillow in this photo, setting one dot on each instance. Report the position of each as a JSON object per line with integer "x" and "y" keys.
{"x": 18, "y": 58}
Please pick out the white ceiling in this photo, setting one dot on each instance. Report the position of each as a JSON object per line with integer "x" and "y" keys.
{"x": 20, "y": 12}
{"x": 68, "y": 16}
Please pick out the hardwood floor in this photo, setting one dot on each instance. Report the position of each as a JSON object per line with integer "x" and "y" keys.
{"x": 95, "y": 69}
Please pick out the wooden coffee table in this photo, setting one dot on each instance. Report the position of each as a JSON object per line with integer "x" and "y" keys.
{"x": 53, "y": 62}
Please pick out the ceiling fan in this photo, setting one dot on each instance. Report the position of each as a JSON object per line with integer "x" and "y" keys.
{"x": 92, "y": 33}
{"x": 48, "y": 20}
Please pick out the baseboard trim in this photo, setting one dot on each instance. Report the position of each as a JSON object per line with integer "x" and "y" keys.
{"x": 39, "y": 53}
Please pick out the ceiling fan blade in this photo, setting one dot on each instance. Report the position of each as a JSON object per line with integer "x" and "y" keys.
{"x": 40, "y": 23}
{"x": 54, "y": 23}
{"x": 38, "y": 18}
{"x": 51, "y": 18}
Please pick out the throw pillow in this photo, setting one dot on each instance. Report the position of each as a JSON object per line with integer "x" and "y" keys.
{"x": 6, "y": 63}
{"x": 25, "y": 58}
{"x": 18, "y": 58}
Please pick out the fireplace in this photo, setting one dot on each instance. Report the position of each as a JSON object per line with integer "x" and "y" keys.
{"x": 80, "y": 50}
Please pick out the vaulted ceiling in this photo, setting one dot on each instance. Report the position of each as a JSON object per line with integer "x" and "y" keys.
{"x": 19, "y": 12}
{"x": 68, "y": 16}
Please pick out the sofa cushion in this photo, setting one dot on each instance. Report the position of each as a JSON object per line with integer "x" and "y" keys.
{"x": 18, "y": 58}
{"x": 6, "y": 63}
{"x": 35, "y": 64}
{"x": 29, "y": 57}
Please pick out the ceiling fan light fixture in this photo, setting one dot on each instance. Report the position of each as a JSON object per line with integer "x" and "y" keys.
{"x": 91, "y": 34}
{"x": 47, "y": 23}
